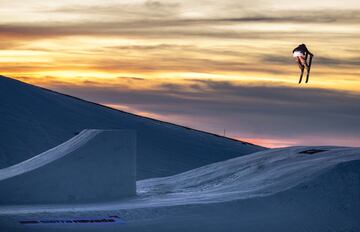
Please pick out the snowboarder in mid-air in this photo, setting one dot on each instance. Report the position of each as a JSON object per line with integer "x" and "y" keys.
{"x": 301, "y": 54}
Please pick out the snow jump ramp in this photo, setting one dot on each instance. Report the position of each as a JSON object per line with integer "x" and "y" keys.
{"x": 93, "y": 166}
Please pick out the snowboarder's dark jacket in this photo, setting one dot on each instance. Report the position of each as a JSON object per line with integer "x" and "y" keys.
{"x": 301, "y": 48}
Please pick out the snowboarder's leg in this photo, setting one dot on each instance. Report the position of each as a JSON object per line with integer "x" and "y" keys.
{"x": 302, "y": 67}
{"x": 298, "y": 61}
{"x": 302, "y": 61}
{"x": 308, "y": 69}
{"x": 305, "y": 61}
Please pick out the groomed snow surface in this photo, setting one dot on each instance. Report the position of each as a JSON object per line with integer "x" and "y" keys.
{"x": 288, "y": 189}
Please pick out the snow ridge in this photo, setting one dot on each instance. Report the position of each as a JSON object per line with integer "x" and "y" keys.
{"x": 49, "y": 155}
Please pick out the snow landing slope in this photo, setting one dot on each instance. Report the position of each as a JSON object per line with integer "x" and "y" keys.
{"x": 34, "y": 120}
{"x": 287, "y": 189}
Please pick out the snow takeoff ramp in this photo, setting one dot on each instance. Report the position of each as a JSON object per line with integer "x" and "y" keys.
{"x": 94, "y": 166}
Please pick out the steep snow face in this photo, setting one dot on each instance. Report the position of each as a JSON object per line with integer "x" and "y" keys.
{"x": 49, "y": 156}
{"x": 34, "y": 120}
{"x": 94, "y": 166}
{"x": 276, "y": 190}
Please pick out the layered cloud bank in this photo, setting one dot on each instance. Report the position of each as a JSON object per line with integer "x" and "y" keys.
{"x": 266, "y": 114}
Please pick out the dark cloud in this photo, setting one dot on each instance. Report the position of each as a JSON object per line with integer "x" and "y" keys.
{"x": 320, "y": 60}
{"x": 132, "y": 78}
{"x": 315, "y": 16}
{"x": 249, "y": 11}
{"x": 179, "y": 27}
{"x": 149, "y": 9}
{"x": 338, "y": 61}
{"x": 148, "y": 30}
{"x": 260, "y": 111}
{"x": 177, "y": 64}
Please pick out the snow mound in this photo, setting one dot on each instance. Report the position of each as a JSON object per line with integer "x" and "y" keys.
{"x": 256, "y": 175}
{"x": 93, "y": 166}
{"x": 49, "y": 155}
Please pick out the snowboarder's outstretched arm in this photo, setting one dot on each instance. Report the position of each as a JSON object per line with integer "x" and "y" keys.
{"x": 307, "y": 50}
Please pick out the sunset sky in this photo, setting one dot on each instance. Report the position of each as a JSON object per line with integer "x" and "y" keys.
{"x": 208, "y": 64}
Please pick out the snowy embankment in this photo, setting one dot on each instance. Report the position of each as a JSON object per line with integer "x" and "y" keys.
{"x": 289, "y": 189}
{"x": 257, "y": 175}
{"x": 48, "y": 156}
{"x": 94, "y": 166}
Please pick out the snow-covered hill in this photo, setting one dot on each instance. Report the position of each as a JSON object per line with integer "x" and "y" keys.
{"x": 289, "y": 189}
{"x": 33, "y": 120}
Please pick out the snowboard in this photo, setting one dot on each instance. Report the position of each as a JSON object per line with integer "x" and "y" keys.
{"x": 308, "y": 70}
